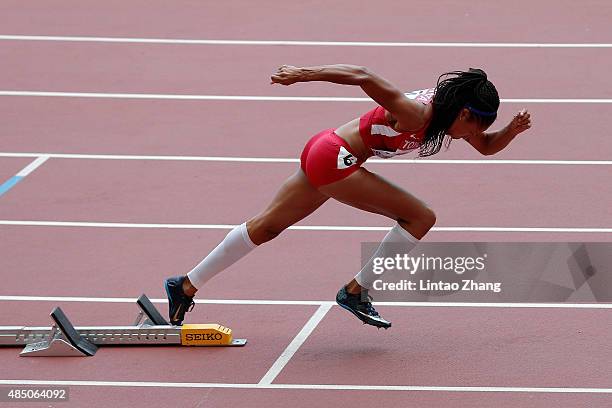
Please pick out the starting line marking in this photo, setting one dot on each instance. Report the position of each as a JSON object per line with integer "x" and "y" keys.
{"x": 552, "y": 390}
{"x": 85, "y": 224}
{"x": 326, "y": 303}
{"x": 296, "y": 160}
{"x": 260, "y": 98}
{"x": 295, "y": 344}
{"x": 9, "y": 37}
{"x": 10, "y": 183}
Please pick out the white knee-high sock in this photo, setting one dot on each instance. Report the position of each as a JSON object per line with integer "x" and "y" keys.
{"x": 236, "y": 245}
{"x": 397, "y": 235}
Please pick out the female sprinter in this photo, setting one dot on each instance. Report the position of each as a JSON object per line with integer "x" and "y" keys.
{"x": 463, "y": 105}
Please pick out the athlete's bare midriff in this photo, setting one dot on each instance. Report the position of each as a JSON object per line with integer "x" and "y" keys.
{"x": 350, "y": 133}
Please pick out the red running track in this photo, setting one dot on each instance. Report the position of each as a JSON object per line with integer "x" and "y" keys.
{"x": 428, "y": 346}
{"x": 210, "y": 70}
{"x": 119, "y": 126}
{"x": 319, "y": 20}
{"x": 180, "y": 192}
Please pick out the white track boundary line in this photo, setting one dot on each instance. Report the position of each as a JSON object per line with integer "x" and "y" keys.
{"x": 262, "y": 98}
{"x": 85, "y": 224}
{"x": 10, "y": 37}
{"x": 79, "y": 383}
{"x": 230, "y": 159}
{"x": 326, "y": 303}
{"x": 295, "y": 344}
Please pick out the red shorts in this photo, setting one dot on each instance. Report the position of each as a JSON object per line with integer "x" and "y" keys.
{"x": 327, "y": 158}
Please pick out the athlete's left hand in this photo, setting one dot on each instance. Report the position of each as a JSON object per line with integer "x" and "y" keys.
{"x": 286, "y": 75}
{"x": 520, "y": 123}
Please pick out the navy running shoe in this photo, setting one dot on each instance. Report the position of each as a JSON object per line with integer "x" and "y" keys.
{"x": 360, "y": 308}
{"x": 178, "y": 302}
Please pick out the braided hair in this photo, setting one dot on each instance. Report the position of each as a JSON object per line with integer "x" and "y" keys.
{"x": 455, "y": 91}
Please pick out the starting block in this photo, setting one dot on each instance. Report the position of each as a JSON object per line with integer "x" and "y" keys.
{"x": 150, "y": 328}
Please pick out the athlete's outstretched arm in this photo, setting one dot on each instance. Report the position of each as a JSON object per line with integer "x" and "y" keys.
{"x": 408, "y": 113}
{"x": 492, "y": 142}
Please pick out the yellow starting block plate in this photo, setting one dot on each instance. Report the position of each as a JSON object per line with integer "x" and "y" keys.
{"x": 208, "y": 335}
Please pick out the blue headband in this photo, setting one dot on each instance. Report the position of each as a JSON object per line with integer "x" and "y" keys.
{"x": 479, "y": 112}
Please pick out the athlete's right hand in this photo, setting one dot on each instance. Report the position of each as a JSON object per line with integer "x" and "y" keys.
{"x": 286, "y": 75}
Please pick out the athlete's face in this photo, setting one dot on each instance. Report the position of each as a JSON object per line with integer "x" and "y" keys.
{"x": 465, "y": 126}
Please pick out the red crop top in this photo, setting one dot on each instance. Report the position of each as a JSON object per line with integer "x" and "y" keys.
{"x": 382, "y": 139}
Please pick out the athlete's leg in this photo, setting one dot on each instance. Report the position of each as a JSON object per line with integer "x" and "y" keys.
{"x": 296, "y": 199}
{"x": 370, "y": 192}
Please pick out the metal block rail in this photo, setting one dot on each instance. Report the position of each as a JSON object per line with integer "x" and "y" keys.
{"x": 63, "y": 339}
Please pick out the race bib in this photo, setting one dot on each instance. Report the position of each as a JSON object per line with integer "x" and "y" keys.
{"x": 345, "y": 158}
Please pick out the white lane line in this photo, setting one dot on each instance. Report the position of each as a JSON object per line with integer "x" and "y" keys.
{"x": 159, "y": 158}
{"x": 256, "y": 302}
{"x": 114, "y": 225}
{"x": 183, "y": 96}
{"x": 259, "y": 302}
{"x": 85, "y": 224}
{"x": 522, "y": 229}
{"x": 230, "y": 159}
{"x": 262, "y": 98}
{"x": 9, "y": 37}
{"x": 77, "y": 383}
{"x": 295, "y": 344}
